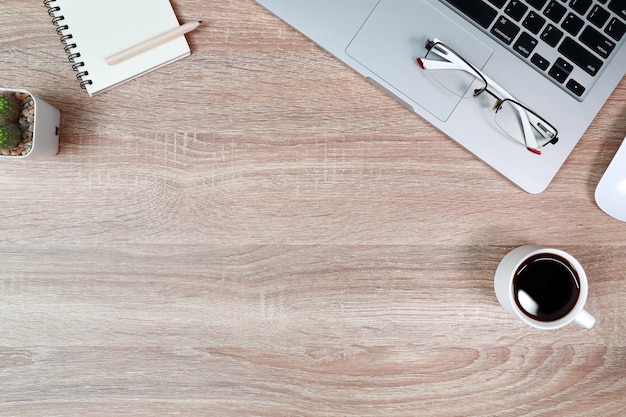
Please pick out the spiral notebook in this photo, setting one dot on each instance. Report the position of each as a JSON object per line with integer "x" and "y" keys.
{"x": 92, "y": 30}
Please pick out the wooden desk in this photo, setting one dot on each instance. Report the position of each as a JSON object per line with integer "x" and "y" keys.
{"x": 255, "y": 230}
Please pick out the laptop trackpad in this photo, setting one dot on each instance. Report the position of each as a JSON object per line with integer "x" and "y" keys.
{"x": 393, "y": 37}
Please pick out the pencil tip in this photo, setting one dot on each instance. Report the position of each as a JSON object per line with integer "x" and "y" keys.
{"x": 200, "y": 21}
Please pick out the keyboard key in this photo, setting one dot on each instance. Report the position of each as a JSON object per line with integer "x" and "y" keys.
{"x": 551, "y": 35}
{"x": 561, "y": 70}
{"x": 581, "y": 6}
{"x": 615, "y": 29}
{"x": 537, "y": 4}
{"x": 618, "y": 7}
{"x": 525, "y": 45}
{"x": 516, "y": 9}
{"x": 555, "y": 11}
{"x": 573, "y": 24}
{"x": 540, "y": 62}
{"x": 580, "y": 56}
{"x": 598, "y": 43}
{"x": 505, "y": 30}
{"x": 598, "y": 16}
{"x": 477, "y": 10}
{"x": 534, "y": 22}
{"x": 575, "y": 87}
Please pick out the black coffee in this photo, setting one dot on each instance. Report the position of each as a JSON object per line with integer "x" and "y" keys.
{"x": 546, "y": 287}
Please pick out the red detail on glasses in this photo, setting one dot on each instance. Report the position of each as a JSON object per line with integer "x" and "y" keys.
{"x": 421, "y": 63}
{"x": 537, "y": 151}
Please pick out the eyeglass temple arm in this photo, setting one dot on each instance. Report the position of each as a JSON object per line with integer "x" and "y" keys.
{"x": 453, "y": 61}
{"x": 435, "y": 64}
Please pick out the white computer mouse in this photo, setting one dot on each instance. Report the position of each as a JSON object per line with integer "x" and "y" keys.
{"x": 611, "y": 190}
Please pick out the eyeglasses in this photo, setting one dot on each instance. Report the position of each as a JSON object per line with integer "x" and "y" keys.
{"x": 515, "y": 119}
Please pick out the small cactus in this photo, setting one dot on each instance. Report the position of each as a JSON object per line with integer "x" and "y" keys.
{"x": 10, "y": 135}
{"x": 9, "y": 108}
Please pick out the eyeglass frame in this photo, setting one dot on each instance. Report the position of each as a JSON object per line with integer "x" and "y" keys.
{"x": 455, "y": 61}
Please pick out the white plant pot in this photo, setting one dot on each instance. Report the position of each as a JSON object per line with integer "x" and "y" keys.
{"x": 47, "y": 119}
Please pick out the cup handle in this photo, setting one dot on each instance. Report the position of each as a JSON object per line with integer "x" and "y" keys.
{"x": 585, "y": 319}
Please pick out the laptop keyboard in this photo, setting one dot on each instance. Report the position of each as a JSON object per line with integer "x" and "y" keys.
{"x": 568, "y": 41}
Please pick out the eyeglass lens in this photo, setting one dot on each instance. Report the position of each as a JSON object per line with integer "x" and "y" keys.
{"x": 509, "y": 117}
{"x": 461, "y": 82}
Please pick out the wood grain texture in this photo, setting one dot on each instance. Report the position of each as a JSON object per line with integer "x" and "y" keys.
{"x": 255, "y": 230}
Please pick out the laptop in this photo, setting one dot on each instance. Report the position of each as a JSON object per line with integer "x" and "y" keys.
{"x": 560, "y": 58}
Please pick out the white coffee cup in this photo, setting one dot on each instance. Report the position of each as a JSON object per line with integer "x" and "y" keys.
{"x": 543, "y": 287}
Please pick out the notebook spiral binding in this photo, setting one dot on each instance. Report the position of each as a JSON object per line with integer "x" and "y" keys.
{"x": 69, "y": 48}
